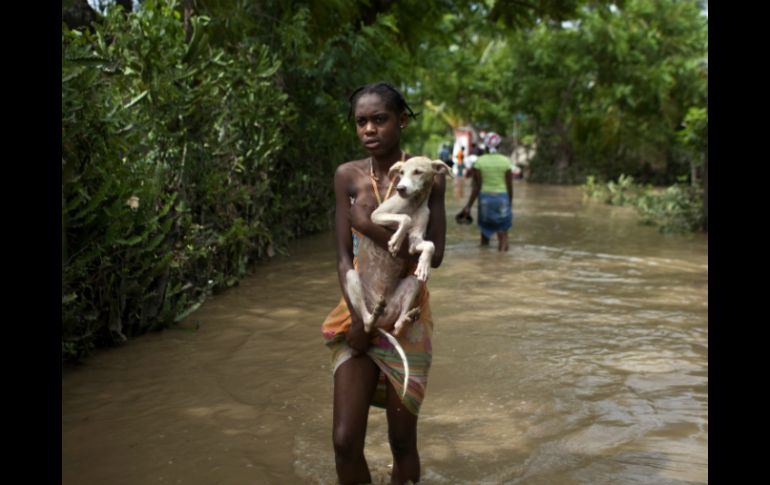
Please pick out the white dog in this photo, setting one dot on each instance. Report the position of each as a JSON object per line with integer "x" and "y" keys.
{"x": 377, "y": 281}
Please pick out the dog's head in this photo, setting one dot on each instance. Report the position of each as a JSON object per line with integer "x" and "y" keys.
{"x": 416, "y": 174}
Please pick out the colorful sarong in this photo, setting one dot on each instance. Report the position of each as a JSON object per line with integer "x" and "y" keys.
{"x": 494, "y": 213}
{"x": 415, "y": 342}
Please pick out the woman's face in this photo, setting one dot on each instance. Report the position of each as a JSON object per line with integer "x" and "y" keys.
{"x": 378, "y": 128}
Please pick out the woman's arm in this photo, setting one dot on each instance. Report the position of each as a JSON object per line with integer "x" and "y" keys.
{"x": 509, "y": 185}
{"x": 475, "y": 190}
{"x": 356, "y": 337}
{"x": 343, "y": 239}
{"x": 436, "y": 232}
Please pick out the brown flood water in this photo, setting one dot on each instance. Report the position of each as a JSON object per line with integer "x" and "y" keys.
{"x": 578, "y": 357}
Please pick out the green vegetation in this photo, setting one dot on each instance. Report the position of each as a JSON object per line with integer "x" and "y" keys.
{"x": 678, "y": 208}
{"x": 167, "y": 168}
{"x": 200, "y": 137}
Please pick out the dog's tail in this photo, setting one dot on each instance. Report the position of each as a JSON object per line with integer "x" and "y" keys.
{"x": 400, "y": 351}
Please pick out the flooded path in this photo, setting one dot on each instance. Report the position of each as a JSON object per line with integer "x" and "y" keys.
{"x": 578, "y": 357}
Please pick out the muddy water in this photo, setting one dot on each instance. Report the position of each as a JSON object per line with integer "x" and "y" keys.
{"x": 578, "y": 357}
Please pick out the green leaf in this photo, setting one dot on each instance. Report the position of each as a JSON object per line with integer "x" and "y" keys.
{"x": 188, "y": 311}
{"x": 136, "y": 99}
{"x": 94, "y": 201}
{"x": 130, "y": 241}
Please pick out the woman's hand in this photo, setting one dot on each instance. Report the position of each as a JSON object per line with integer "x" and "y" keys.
{"x": 356, "y": 337}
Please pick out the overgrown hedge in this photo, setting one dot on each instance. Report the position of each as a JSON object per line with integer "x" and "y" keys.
{"x": 176, "y": 172}
{"x": 678, "y": 208}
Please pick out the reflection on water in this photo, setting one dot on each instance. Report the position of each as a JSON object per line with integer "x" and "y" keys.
{"x": 580, "y": 356}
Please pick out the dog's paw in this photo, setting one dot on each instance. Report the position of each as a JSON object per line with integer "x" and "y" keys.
{"x": 413, "y": 315}
{"x": 379, "y": 307}
{"x": 422, "y": 272}
{"x": 406, "y": 321}
{"x": 394, "y": 245}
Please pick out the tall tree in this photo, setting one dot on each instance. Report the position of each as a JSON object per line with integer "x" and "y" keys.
{"x": 611, "y": 89}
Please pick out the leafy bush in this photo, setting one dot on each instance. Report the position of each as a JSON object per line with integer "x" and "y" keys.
{"x": 678, "y": 208}
{"x": 168, "y": 171}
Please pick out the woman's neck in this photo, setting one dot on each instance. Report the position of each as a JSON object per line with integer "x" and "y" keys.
{"x": 381, "y": 164}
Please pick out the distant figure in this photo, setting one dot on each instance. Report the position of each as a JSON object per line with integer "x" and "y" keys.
{"x": 492, "y": 141}
{"x": 460, "y": 161}
{"x": 493, "y": 185}
{"x": 445, "y": 156}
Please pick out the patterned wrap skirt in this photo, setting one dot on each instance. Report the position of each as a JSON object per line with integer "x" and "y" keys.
{"x": 416, "y": 343}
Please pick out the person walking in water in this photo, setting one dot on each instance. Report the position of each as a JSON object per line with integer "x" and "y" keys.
{"x": 493, "y": 186}
{"x": 367, "y": 370}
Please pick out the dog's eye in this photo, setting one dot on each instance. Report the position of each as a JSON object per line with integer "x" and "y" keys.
{"x": 418, "y": 172}
{"x": 401, "y": 172}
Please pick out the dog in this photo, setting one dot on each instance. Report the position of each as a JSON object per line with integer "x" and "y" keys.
{"x": 377, "y": 281}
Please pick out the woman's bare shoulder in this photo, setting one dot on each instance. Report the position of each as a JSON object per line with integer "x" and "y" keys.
{"x": 352, "y": 169}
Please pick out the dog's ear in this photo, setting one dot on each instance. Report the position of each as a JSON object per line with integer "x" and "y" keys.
{"x": 395, "y": 169}
{"x": 441, "y": 167}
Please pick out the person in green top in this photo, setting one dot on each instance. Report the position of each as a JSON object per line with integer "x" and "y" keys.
{"x": 493, "y": 186}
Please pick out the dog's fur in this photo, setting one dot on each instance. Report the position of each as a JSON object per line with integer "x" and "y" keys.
{"x": 377, "y": 282}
